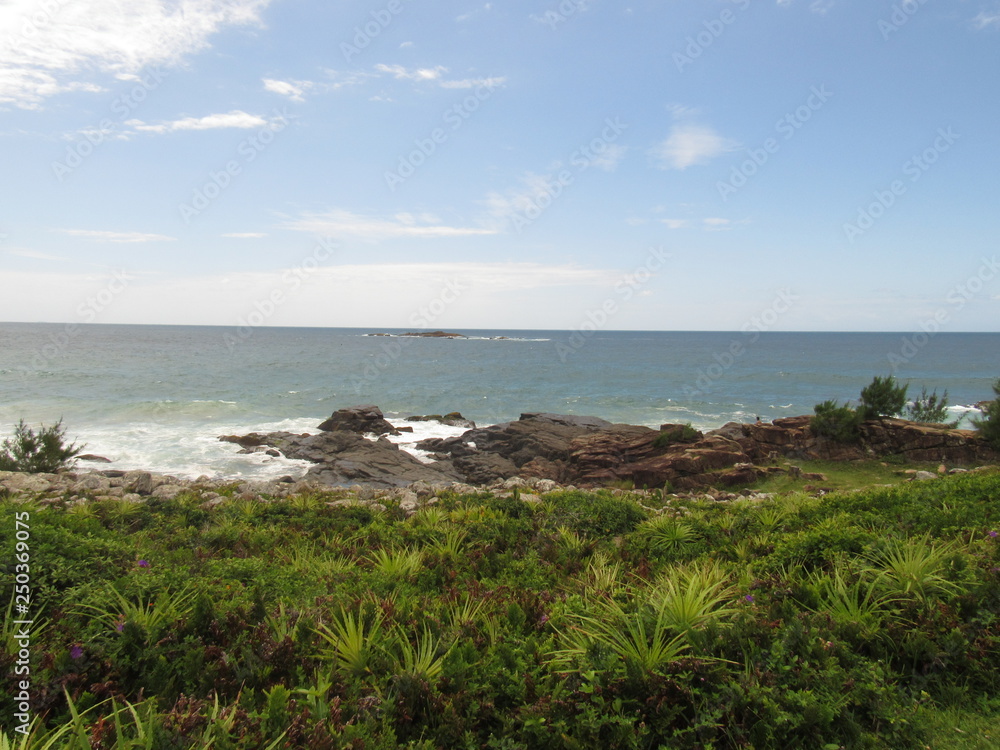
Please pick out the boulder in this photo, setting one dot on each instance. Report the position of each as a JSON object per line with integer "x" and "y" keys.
{"x": 452, "y": 419}
{"x": 346, "y": 458}
{"x": 360, "y": 419}
{"x": 483, "y": 468}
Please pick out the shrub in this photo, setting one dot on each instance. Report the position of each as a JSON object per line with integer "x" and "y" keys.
{"x": 883, "y": 397}
{"x": 681, "y": 433}
{"x": 930, "y": 409}
{"x": 45, "y": 452}
{"x": 989, "y": 424}
{"x": 836, "y": 422}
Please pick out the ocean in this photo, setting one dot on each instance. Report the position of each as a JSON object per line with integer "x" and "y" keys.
{"x": 158, "y": 397}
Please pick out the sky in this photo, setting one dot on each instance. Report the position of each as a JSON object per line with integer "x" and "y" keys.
{"x": 546, "y": 164}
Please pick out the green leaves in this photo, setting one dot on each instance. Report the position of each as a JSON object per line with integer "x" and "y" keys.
{"x": 34, "y": 453}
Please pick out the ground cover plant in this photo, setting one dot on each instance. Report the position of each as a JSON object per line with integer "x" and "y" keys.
{"x": 858, "y": 619}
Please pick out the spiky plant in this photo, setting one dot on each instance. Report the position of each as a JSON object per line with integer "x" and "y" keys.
{"x": 353, "y": 641}
{"x": 667, "y": 534}
{"x": 915, "y": 568}
{"x": 396, "y": 563}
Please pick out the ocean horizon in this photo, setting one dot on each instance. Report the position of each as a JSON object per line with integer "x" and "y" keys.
{"x": 157, "y": 397}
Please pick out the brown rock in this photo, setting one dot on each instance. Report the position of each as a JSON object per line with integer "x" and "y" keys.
{"x": 360, "y": 419}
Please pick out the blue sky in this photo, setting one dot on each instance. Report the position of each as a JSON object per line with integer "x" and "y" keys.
{"x": 681, "y": 165}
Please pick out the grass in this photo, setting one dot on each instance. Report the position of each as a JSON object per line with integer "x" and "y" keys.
{"x": 843, "y": 475}
{"x": 866, "y": 618}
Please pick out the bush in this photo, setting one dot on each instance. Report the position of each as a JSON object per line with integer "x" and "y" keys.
{"x": 989, "y": 424}
{"x": 883, "y": 397}
{"x": 680, "y": 433}
{"x": 837, "y": 422}
{"x": 930, "y": 409}
{"x": 45, "y": 452}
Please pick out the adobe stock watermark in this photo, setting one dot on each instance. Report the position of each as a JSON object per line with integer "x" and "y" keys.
{"x": 713, "y": 29}
{"x": 88, "y": 311}
{"x": 371, "y": 29}
{"x": 562, "y": 12}
{"x": 218, "y": 180}
{"x": 901, "y": 14}
{"x": 597, "y": 318}
{"x": 957, "y": 297}
{"x": 93, "y": 137}
{"x": 786, "y": 127}
{"x": 726, "y": 359}
{"x": 454, "y": 117}
{"x": 393, "y": 347}
{"x": 581, "y": 159}
{"x": 291, "y": 279}
{"x": 915, "y": 167}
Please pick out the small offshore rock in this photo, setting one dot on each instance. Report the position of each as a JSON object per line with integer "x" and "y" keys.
{"x": 93, "y": 458}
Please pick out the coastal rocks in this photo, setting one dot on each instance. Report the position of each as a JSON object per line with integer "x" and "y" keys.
{"x": 452, "y": 419}
{"x": 360, "y": 419}
{"x": 344, "y": 458}
{"x": 93, "y": 459}
{"x": 913, "y": 441}
{"x": 483, "y": 468}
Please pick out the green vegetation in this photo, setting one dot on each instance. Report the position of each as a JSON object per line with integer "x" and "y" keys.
{"x": 674, "y": 434}
{"x": 930, "y": 409}
{"x": 883, "y": 397}
{"x": 989, "y": 424}
{"x": 35, "y": 453}
{"x": 863, "y": 619}
{"x": 836, "y": 422}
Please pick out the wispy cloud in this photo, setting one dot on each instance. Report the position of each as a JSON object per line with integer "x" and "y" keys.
{"x": 674, "y": 223}
{"x": 56, "y": 47}
{"x": 402, "y": 73}
{"x": 235, "y": 119}
{"x": 689, "y": 144}
{"x": 535, "y": 189}
{"x": 338, "y": 222}
{"x": 124, "y": 237}
{"x": 22, "y": 252}
{"x": 294, "y": 90}
{"x": 821, "y": 7}
{"x": 987, "y": 19}
{"x": 245, "y": 235}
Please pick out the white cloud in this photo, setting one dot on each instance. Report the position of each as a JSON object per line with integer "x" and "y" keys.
{"x": 689, "y": 144}
{"x": 60, "y": 46}
{"x": 536, "y": 191}
{"x": 103, "y": 236}
{"x": 416, "y": 74}
{"x": 470, "y": 83}
{"x": 987, "y": 20}
{"x": 294, "y": 90}
{"x": 610, "y": 158}
{"x": 246, "y": 235}
{"x": 816, "y": 6}
{"x": 339, "y": 222}
{"x": 675, "y": 223}
{"x": 235, "y": 119}
{"x": 33, "y": 254}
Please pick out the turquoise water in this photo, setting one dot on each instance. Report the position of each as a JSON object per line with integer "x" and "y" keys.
{"x": 158, "y": 396}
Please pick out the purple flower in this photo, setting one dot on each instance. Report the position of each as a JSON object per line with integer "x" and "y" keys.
{"x": 120, "y": 626}
{"x": 76, "y": 652}
{"x": 144, "y": 563}
{"x": 748, "y": 598}
{"x": 993, "y": 534}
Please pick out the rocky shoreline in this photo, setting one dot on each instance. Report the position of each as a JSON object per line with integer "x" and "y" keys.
{"x": 591, "y": 452}
{"x": 353, "y": 460}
